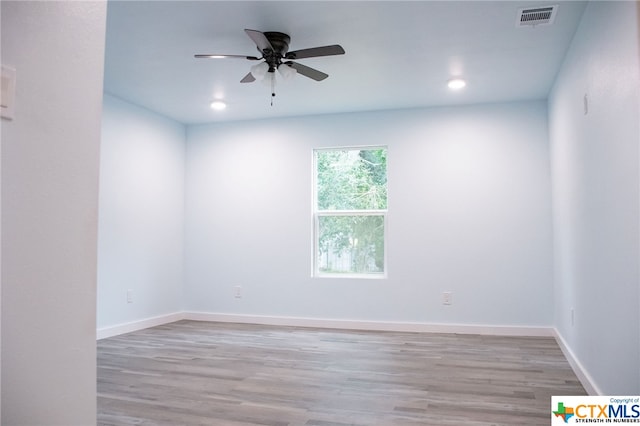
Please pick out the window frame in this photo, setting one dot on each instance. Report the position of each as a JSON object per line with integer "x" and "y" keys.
{"x": 316, "y": 214}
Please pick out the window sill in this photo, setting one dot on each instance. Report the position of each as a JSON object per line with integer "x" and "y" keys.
{"x": 350, "y": 276}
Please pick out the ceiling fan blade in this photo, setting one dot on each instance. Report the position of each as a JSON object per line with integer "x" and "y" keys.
{"x": 312, "y": 73}
{"x": 259, "y": 39}
{"x": 216, "y": 56}
{"x": 249, "y": 78}
{"x": 334, "y": 49}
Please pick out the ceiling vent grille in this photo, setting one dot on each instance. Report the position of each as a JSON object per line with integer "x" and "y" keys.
{"x": 532, "y": 16}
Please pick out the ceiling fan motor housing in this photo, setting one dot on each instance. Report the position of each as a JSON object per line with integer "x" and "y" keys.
{"x": 280, "y": 43}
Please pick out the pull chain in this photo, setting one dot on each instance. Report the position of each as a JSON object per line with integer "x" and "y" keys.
{"x": 273, "y": 87}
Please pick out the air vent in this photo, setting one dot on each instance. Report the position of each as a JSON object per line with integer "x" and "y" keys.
{"x": 532, "y": 16}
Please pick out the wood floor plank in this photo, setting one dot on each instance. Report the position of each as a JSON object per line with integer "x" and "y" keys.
{"x": 197, "y": 373}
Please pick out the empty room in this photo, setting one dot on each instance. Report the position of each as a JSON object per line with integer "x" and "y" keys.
{"x": 318, "y": 212}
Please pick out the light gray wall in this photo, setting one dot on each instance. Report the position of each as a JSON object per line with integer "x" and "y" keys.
{"x": 141, "y": 214}
{"x": 596, "y": 194}
{"x": 50, "y": 157}
{"x": 469, "y": 212}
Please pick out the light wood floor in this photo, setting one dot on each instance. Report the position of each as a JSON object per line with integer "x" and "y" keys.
{"x": 198, "y": 373}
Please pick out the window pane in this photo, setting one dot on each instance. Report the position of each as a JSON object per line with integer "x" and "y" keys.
{"x": 352, "y": 179}
{"x": 351, "y": 244}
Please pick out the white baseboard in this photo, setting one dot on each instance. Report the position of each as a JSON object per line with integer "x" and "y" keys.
{"x": 372, "y": 325}
{"x": 103, "y": 333}
{"x": 414, "y": 327}
{"x": 583, "y": 375}
{"x": 495, "y": 330}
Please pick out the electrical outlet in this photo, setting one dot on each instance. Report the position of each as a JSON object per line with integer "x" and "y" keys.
{"x": 238, "y": 291}
{"x": 130, "y": 296}
{"x": 573, "y": 319}
{"x": 7, "y": 92}
{"x": 447, "y": 298}
{"x": 585, "y": 104}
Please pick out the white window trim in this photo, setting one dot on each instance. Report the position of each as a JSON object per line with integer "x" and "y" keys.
{"x": 315, "y": 214}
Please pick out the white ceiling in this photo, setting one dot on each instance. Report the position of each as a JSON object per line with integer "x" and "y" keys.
{"x": 398, "y": 55}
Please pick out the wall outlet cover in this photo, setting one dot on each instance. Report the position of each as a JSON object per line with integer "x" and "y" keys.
{"x": 7, "y": 92}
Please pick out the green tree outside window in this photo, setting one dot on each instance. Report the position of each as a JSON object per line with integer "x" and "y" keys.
{"x": 350, "y": 213}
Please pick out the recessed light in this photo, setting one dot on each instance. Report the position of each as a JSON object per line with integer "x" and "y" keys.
{"x": 456, "y": 83}
{"x": 218, "y": 105}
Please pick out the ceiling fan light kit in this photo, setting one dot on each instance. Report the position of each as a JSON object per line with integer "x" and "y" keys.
{"x": 274, "y": 48}
{"x": 258, "y": 71}
{"x": 287, "y": 72}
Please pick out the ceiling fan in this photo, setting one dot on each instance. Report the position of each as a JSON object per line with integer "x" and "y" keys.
{"x": 274, "y": 48}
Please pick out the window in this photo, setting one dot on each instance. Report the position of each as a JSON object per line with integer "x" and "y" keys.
{"x": 350, "y": 211}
